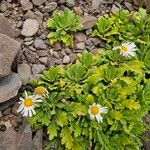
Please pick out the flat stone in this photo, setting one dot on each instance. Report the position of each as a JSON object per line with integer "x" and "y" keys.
{"x": 96, "y": 4}
{"x": 25, "y": 139}
{"x": 37, "y": 68}
{"x": 30, "y": 56}
{"x": 50, "y": 7}
{"x": 9, "y": 86}
{"x": 5, "y": 27}
{"x": 80, "y": 45}
{"x": 80, "y": 37}
{"x": 39, "y": 44}
{"x": 37, "y": 140}
{"x": 24, "y": 70}
{"x": 3, "y": 7}
{"x": 43, "y": 60}
{"x": 30, "y": 27}
{"x": 26, "y": 5}
{"x": 8, "y": 139}
{"x": 70, "y": 3}
{"x": 38, "y": 2}
{"x": 66, "y": 59}
{"x": 88, "y": 22}
{"x": 8, "y": 51}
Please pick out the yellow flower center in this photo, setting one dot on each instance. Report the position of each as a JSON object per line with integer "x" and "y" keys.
{"x": 94, "y": 110}
{"x": 40, "y": 90}
{"x": 28, "y": 102}
{"x": 123, "y": 49}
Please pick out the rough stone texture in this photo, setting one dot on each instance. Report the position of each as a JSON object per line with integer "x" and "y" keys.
{"x": 25, "y": 139}
{"x": 24, "y": 70}
{"x": 50, "y": 7}
{"x": 39, "y": 44}
{"x": 8, "y": 139}
{"x": 37, "y": 68}
{"x": 88, "y": 22}
{"x": 8, "y": 51}
{"x": 37, "y": 140}
{"x": 38, "y": 2}
{"x": 26, "y": 5}
{"x": 5, "y": 27}
{"x": 9, "y": 86}
{"x": 30, "y": 27}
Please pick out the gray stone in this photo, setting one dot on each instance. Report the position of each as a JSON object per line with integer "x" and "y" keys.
{"x": 8, "y": 139}
{"x": 43, "y": 60}
{"x": 39, "y": 16}
{"x": 5, "y": 27}
{"x": 9, "y": 86}
{"x": 37, "y": 140}
{"x": 26, "y": 5}
{"x": 39, "y": 44}
{"x": 24, "y": 70}
{"x": 1, "y": 115}
{"x": 30, "y": 56}
{"x": 50, "y": 7}
{"x": 8, "y": 51}
{"x": 88, "y": 22}
{"x": 42, "y": 53}
{"x": 30, "y": 27}
{"x": 38, "y": 2}
{"x": 14, "y": 109}
{"x": 25, "y": 139}
{"x": 66, "y": 59}
{"x": 80, "y": 37}
{"x": 129, "y": 6}
{"x": 3, "y": 7}
{"x": 96, "y": 4}
{"x": 114, "y": 9}
{"x": 80, "y": 45}
{"x": 37, "y": 68}
{"x": 70, "y": 3}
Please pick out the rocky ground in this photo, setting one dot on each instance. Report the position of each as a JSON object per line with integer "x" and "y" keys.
{"x": 25, "y": 52}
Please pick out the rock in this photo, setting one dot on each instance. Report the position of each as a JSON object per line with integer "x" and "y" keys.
{"x": 78, "y": 10}
{"x": 50, "y": 7}
{"x": 38, "y": 16}
{"x": 80, "y": 45}
{"x": 9, "y": 86}
{"x": 73, "y": 57}
{"x": 38, "y": 2}
{"x": 30, "y": 56}
{"x": 70, "y": 3}
{"x": 43, "y": 60}
{"x": 80, "y": 37}
{"x": 7, "y": 111}
{"x": 37, "y": 68}
{"x": 114, "y": 9}
{"x": 94, "y": 51}
{"x": 25, "y": 139}
{"x": 1, "y": 115}
{"x": 37, "y": 140}
{"x": 66, "y": 59}
{"x": 42, "y": 53}
{"x": 3, "y": 7}
{"x": 30, "y": 27}
{"x": 14, "y": 109}
{"x": 29, "y": 15}
{"x": 39, "y": 44}
{"x": 129, "y": 6}
{"x": 5, "y": 27}
{"x": 24, "y": 70}
{"x": 88, "y": 22}
{"x": 8, "y": 139}
{"x": 8, "y": 51}
{"x": 96, "y": 4}
{"x": 26, "y": 5}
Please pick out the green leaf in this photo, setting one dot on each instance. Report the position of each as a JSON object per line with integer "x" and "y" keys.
{"x": 61, "y": 118}
{"x": 146, "y": 93}
{"x": 66, "y": 137}
{"x": 52, "y": 130}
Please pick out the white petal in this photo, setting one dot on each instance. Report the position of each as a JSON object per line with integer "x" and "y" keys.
{"x": 26, "y": 95}
{"x": 99, "y": 118}
{"x": 33, "y": 111}
{"x": 22, "y": 99}
{"x": 21, "y": 107}
{"x": 116, "y": 48}
{"x": 30, "y": 112}
{"x": 103, "y": 110}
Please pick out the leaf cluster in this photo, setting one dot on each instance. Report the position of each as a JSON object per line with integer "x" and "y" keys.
{"x": 124, "y": 26}
{"x": 62, "y": 25}
{"x": 117, "y": 84}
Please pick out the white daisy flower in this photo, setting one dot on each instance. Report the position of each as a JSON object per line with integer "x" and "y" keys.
{"x": 41, "y": 90}
{"x": 95, "y": 112}
{"x": 28, "y": 104}
{"x": 127, "y": 49}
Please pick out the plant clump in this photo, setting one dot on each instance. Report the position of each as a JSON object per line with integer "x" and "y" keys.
{"x": 62, "y": 25}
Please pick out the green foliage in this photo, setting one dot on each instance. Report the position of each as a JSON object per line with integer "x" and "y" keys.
{"x": 105, "y": 79}
{"x": 62, "y": 24}
{"x": 124, "y": 26}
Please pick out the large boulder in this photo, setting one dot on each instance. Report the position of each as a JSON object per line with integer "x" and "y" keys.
{"x": 8, "y": 51}
{"x": 5, "y": 27}
{"x": 9, "y": 86}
